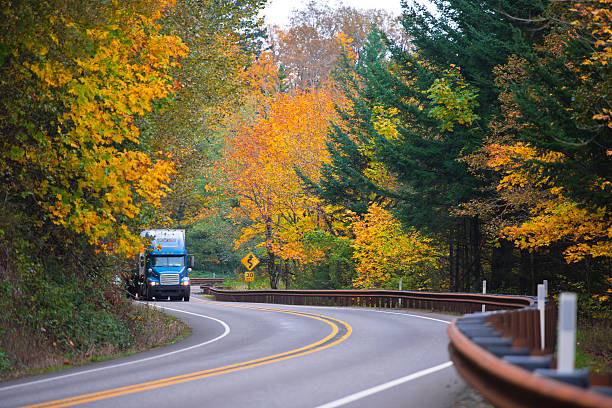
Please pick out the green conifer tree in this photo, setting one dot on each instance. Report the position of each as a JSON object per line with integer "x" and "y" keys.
{"x": 456, "y": 50}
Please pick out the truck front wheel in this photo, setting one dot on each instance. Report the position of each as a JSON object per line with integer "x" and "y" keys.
{"x": 186, "y": 298}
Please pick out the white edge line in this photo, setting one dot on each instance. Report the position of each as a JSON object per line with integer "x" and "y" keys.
{"x": 354, "y": 309}
{"x": 413, "y": 315}
{"x": 225, "y": 333}
{"x": 365, "y": 393}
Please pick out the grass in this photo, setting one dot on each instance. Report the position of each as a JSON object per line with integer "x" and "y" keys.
{"x": 239, "y": 284}
{"x": 149, "y": 327}
{"x": 594, "y": 346}
{"x": 201, "y": 274}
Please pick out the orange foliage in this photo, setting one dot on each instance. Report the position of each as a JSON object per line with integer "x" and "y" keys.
{"x": 554, "y": 218}
{"x": 261, "y": 159}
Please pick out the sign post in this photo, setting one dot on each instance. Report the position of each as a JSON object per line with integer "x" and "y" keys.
{"x": 250, "y": 261}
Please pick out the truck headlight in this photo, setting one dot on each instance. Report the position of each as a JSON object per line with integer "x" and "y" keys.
{"x": 185, "y": 282}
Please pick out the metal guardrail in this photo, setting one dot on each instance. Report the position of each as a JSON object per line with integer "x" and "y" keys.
{"x": 523, "y": 327}
{"x": 508, "y": 385}
{"x": 502, "y": 383}
{"x": 500, "y": 355}
{"x": 438, "y": 301}
{"x": 206, "y": 281}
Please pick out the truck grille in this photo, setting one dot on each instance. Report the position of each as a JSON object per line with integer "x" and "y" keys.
{"x": 169, "y": 279}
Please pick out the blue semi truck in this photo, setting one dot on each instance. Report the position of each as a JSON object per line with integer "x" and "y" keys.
{"x": 163, "y": 269}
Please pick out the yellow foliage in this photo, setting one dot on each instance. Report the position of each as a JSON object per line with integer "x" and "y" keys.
{"x": 92, "y": 180}
{"x": 262, "y": 76}
{"x": 453, "y": 100}
{"x": 386, "y": 122}
{"x": 346, "y": 43}
{"x": 511, "y": 159}
{"x": 383, "y": 250}
{"x": 590, "y": 232}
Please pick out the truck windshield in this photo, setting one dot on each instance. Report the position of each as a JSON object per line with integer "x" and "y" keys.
{"x": 168, "y": 261}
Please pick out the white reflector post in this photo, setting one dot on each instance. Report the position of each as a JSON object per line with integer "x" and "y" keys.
{"x": 541, "y": 309}
{"x": 566, "y": 344}
{"x": 484, "y": 290}
{"x": 400, "y": 288}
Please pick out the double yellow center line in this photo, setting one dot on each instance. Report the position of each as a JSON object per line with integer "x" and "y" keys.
{"x": 340, "y": 332}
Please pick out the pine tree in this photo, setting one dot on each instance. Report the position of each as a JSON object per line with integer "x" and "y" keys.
{"x": 560, "y": 99}
{"x": 343, "y": 181}
{"x": 477, "y": 36}
{"x": 436, "y": 101}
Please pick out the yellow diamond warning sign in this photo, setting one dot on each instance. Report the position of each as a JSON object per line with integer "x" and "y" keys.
{"x": 250, "y": 261}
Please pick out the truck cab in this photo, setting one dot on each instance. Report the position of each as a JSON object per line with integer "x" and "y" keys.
{"x": 163, "y": 269}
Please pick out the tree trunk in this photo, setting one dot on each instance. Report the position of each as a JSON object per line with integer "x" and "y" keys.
{"x": 271, "y": 257}
{"x": 451, "y": 265}
{"x": 502, "y": 259}
{"x": 475, "y": 246}
{"x": 465, "y": 258}
{"x": 458, "y": 281}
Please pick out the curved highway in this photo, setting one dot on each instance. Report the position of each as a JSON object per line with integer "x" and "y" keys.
{"x": 259, "y": 355}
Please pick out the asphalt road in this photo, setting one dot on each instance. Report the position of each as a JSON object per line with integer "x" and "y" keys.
{"x": 256, "y": 355}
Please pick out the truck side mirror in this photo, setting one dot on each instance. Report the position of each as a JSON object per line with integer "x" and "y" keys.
{"x": 191, "y": 261}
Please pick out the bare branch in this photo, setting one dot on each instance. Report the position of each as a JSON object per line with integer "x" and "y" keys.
{"x": 523, "y": 20}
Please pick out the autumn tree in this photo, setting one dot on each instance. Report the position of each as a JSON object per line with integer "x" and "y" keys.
{"x": 563, "y": 99}
{"x": 68, "y": 131}
{"x": 223, "y": 39}
{"x": 435, "y": 100}
{"x": 549, "y": 146}
{"x": 309, "y": 47}
{"x": 286, "y": 132}
{"x": 385, "y": 253}
{"x": 76, "y": 184}
{"x": 554, "y": 218}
